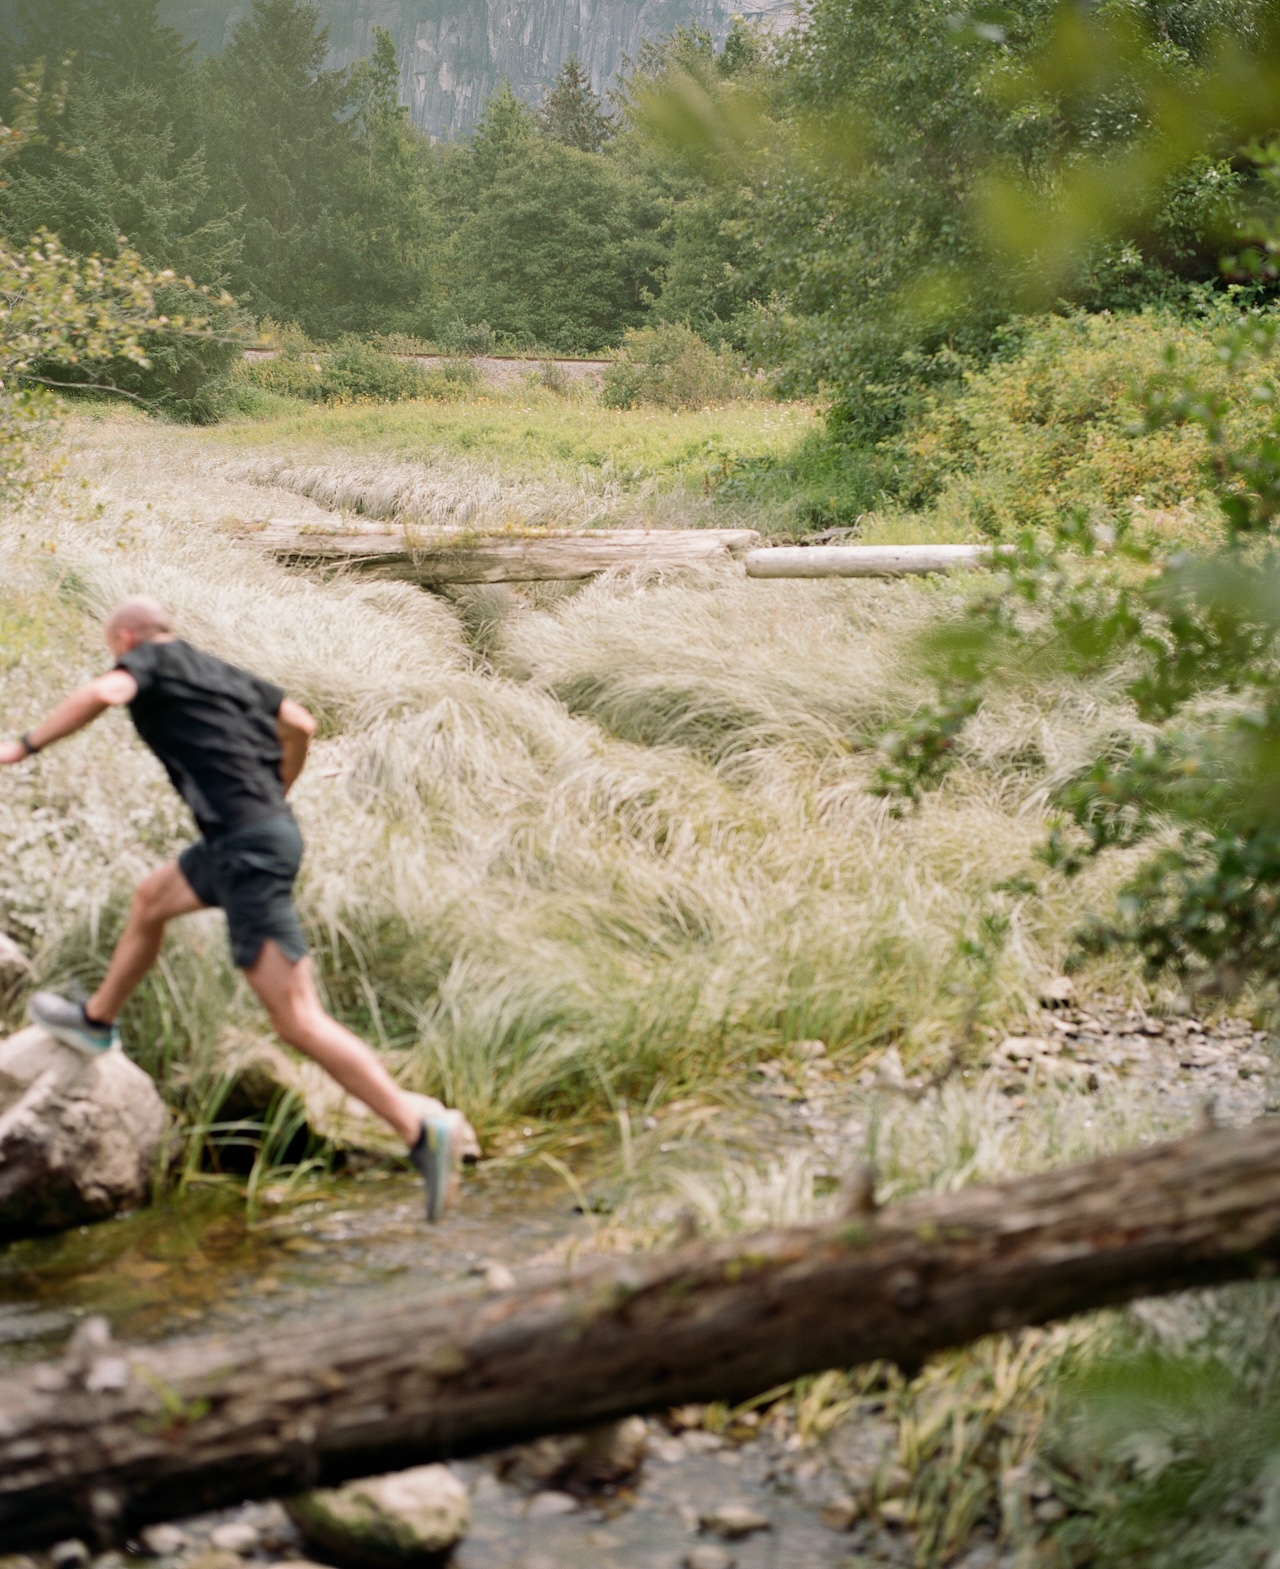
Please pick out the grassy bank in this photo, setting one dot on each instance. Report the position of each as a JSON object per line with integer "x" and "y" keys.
{"x": 523, "y": 455}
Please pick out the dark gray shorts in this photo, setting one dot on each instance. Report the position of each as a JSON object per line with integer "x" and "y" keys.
{"x": 250, "y": 874}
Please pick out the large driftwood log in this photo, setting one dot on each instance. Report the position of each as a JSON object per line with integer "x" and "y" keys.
{"x": 429, "y": 557}
{"x": 864, "y": 560}
{"x": 110, "y": 1439}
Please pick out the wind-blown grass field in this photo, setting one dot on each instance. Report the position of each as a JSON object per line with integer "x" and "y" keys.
{"x": 565, "y": 848}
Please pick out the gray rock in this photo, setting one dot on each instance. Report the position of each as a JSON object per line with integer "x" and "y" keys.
{"x": 547, "y": 1505}
{"x": 71, "y": 1554}
{"x": 79, "y": 1136}
{"x": 163, "y": 1540}
{"x": 708, "y": 1557}
{"x": 595, "y": 1457}
{"x": 236, "y": 1536}
{"x": 383, "y": 1522}
{"x": 736, "y": 1519}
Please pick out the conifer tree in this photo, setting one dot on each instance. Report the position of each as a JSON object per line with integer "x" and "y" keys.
{"x": 281, "y": 154}
{"x": 572, "y": 111}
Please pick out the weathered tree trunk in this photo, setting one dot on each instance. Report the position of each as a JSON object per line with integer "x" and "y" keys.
{"x": 863, "y": 560}
{"x": 110, "y": 1439}
{"x": 430, "y": 557}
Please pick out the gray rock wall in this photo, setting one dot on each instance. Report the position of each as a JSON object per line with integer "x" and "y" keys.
{"x": 454, "y": 53}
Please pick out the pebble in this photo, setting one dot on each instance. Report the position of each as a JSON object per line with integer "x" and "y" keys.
{"x": 669, "y": 1450}
{"x": 545, "y": 1506}
{"x": 497, "y": 1277}
{"x": 236, "y": 1536}
{"x": 696, "y": 1442}
{"x": 840, "y": 1513}
{"x": 71, "y": 1554}
{"x": 708, "y": 1557}
{"x": 163, "y": 1540}
{"x": 734, "y": 1520}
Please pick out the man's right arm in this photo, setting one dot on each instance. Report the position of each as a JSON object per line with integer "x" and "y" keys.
{"x": 73, "y": 713}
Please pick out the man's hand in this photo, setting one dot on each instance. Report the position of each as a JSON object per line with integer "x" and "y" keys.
{"x": 295, "y": 727}
{"x": 73, "y": 713}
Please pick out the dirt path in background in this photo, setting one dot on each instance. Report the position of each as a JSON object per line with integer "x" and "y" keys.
{"x": 500, "y": 371}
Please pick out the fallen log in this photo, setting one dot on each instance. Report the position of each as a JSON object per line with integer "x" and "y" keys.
{"x": 111, "y": 1438}
{"x": 863, "y": 560}
{"x": 436, "y": 557}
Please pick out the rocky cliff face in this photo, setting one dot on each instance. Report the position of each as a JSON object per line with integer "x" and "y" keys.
{"x": 454, "y": 53}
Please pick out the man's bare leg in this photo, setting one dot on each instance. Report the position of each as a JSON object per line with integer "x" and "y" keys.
{"x": 288, "y": 992}
{"x": 158, "y": 898}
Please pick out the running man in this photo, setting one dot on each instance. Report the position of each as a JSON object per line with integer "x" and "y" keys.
{"x": 232, "y": 745}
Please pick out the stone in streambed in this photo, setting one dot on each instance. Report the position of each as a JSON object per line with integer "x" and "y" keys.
{"x": 384, "y": 1522}
{"x": 579, "y": 1462}
{"x": 79, "y": 1136}
{"x": 733, "y": 1520}
{"x": 163, "y": 1541}
{"x": 258, "y": 1070}
{"x": 708, "y": 1557}
{"x": 236, "y": 1536}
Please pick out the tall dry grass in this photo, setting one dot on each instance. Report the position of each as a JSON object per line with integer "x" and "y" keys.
{"x": 621, "y": 852}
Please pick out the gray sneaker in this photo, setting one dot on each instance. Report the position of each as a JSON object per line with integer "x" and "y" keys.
{"x": 66, "y": 1022}
{"x": 436, "y": 1157}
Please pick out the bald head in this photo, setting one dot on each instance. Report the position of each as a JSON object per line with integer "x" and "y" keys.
{"x": 137, "y": 620}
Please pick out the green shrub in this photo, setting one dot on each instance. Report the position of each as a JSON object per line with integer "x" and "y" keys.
{"x": 461, "y": 337}
{"x": 670, "y": 366}
{"x": 352, "y": 372}
{"x": 1052, "y": 426}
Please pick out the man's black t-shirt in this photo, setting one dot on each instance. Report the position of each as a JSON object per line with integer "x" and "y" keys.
{"x": 213, "y": 726}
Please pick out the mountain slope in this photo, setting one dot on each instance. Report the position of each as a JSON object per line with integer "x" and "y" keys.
{"x": 454, "y": 53}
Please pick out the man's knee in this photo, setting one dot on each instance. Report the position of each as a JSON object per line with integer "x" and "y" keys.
{"x": 149, "y": 902}
{"x": 294, "y": 1018}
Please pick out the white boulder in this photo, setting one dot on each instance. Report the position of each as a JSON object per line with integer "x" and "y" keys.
{"x": 79, "y": 1136}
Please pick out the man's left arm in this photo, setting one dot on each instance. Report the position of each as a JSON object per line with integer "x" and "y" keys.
{"x": 295, "y": 727}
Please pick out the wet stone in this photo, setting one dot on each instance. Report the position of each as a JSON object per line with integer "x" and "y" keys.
{"x": 708, "y": 1556}
{"x": 163, "y": 1540}
{"x": 236, "y": 1536}
{"x": 735, "y": 1519}
{"x": 546, "y": 1505}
